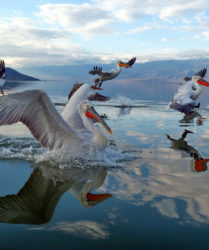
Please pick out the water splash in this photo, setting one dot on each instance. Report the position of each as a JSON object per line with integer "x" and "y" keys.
{"x": 26, "y": 148}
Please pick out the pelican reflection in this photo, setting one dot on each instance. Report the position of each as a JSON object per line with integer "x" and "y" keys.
{"x": 198, "y": 163}
{"x": 36, "y": 201}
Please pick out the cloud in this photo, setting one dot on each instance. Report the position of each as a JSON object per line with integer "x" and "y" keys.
{"x": 24, "y": 43}
{"x": 134, "y": 10}
{"x": 146, "y": 27}
{"x": 56, "y": 37}
{"x": 85, "y": 19}
{"x": 72, "y": 14}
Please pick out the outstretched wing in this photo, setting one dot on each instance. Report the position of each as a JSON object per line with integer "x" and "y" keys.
{"x": 98, "y": 97}
{"x": 2, "y": 69}
{"x": 201, "y": 73}
{"x": 34, "y": 109}
{"x": 131, "y": 62}
{"x": 187, "y": 79}
{"x": 96, "y": 71}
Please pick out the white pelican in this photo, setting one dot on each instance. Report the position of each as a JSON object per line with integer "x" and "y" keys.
{"x": 34, "y": 109}
{"x": 104, "y": 76}
{"x": 79, "y": 93}
{"x": 2, "y": 76}
{"x": 184, "y": 99}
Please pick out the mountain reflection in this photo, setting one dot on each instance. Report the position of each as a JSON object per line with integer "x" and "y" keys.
{"x": 35, "y": 203}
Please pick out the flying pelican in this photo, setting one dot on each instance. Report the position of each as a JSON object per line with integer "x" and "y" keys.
{"x": 79, "y": 93}
{"x": 34, "y": 109}
{"x": 104, "y": 76}
{"x": 184, "y": 99}
{"x": 2, "y": 76}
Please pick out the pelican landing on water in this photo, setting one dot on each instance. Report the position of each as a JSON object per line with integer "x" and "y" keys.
{"x": 104, "y": 76}
{"x": 35, "y": 110}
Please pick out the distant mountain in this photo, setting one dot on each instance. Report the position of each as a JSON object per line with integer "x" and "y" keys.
{"x": 13, "y": 75}
{"x": 163, "y": 71}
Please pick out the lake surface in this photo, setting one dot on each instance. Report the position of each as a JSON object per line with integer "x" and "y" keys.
{"x": 153, "y": 184}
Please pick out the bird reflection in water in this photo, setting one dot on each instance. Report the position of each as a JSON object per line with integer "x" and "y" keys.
{"x": 37, "y": 199}
{"x": 198, "y": 163}
{"x": 124, "y": 110}
{"x": 190, "y": 116}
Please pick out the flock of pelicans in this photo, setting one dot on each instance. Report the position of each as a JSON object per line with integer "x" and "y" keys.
{"x": 75, "y": 128}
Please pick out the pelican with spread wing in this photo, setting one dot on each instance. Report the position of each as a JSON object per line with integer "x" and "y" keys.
{"x": 34, "y": 109}
{"x": 2, "y": 76}
{"x": 104, "y": 76}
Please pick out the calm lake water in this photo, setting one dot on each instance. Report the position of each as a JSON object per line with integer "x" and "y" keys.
{"x": 155, "y": 183}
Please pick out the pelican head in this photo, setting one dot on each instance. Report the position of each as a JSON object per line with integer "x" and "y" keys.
{"x": 200, "y": 80}
{"x": 89, "y": 111}
{"x": 122, "y": 64}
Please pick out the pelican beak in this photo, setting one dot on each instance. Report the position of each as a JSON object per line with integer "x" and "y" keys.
{"x": 124, "y": 65}
{"x": 91, "y": 112}
{"x": 94, "y": 87}
{"x": 203, "y": 82}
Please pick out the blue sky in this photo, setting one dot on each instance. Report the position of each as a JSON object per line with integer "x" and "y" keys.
{"x": 99, "y": 31}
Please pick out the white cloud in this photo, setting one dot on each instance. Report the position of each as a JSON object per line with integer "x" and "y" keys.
{"x": 85, "y": 19}
{"x": 163, "y": 9}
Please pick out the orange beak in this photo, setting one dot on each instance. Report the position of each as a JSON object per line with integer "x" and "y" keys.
{"x": 203, "y": 82}
{"x": 124, "y": 65}
{"x": 91, "y": 113}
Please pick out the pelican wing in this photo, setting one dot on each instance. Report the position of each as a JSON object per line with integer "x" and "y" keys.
{"x": 34, "y": 109}
{"x": 131, "y": 61}
{"x": 98, "y": 97}
{"x": 2, "y": 69}
{"x": 96, "y": 71}
{"x": 187, "y": 79}
{"x": 201, "y": 73}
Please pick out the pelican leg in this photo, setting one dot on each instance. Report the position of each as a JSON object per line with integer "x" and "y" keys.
{"x": 100, "y": 84}
{"x": 1, "y": 90}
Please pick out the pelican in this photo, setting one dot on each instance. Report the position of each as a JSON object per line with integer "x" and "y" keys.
{"x": 79, "y": 93}
{"x": 35, "y": 110}
{"x": 2, "y": 76}
{"x": 184, "y": 99}
{"x": 104, "y": 76}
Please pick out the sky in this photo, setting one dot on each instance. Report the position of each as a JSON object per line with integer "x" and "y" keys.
{"x": 40, "y": 33}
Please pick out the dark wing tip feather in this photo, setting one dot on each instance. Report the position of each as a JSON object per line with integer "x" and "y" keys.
{"x": 201, "y": 73}
{"x": 74, "y": 89}
{"x": 95, "y": 70}
{"x": 131, "y": 61}
{"x": 2, "y": 68}
{"x": 187, "y": 78}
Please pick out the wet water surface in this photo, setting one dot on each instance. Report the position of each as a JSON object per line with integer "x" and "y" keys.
{"x": 150, "y": 191}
